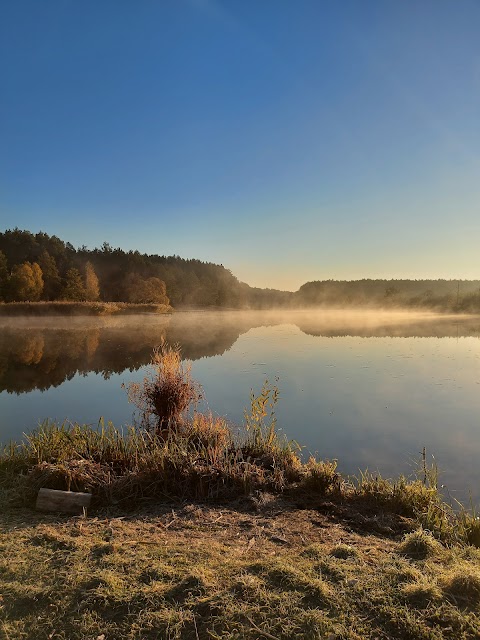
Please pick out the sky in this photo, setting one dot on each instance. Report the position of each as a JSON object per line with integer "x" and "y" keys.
{"x": 287, "y": 140}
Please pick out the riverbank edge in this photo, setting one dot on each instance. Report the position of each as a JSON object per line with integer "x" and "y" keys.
{"x": 196, "y": 536}
{"x": 203, "y": 459}
{"x": 36, "y": 309}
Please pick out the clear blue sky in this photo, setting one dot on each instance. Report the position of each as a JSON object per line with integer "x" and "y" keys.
{"x": 287, "y": 140}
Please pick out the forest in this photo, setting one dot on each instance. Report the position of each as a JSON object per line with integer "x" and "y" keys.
{"x": 438, "y": 295}
{"x": 39, "y": 267}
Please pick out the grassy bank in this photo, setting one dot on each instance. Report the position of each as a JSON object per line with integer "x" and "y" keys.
{"x": 204, "y": 462}
{"x": 15, "y": 309}
{"x": 258, "y": 568}
{"x": 197, "y": 531}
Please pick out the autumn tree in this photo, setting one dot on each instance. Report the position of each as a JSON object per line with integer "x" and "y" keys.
{"x": 92, "y": 288}
{"x": 26, "y": 282}
{"x": 145, "y": 290}
{"x": 74, "y": 289}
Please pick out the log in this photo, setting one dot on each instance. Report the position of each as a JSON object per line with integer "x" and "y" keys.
{"x": 63, "y": 501}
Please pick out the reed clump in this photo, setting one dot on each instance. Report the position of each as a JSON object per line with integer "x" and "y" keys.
{"x": 167, "y": 391}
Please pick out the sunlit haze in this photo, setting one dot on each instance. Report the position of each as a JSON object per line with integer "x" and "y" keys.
{"x": 288, "y": 141}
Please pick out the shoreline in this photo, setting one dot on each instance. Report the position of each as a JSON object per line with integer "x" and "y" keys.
{"x": 99, "y": 308}
{"x": 55, "y": 309}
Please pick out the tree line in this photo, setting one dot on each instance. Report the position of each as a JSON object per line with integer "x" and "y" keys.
{"x": 440, "y": 294}
{"x": 41, "y": 267}
{"x": 37, "y": 267}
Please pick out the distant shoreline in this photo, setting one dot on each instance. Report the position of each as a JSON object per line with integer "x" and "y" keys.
{"x": 70, "y": 308}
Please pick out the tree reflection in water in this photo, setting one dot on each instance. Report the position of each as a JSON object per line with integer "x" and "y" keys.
{"x": 42, "y": 353}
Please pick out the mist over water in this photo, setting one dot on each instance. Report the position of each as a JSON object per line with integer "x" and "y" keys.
{"x": 368, "y": 388}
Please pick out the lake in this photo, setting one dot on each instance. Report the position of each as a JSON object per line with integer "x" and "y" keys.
{"x": 371, "y": 389}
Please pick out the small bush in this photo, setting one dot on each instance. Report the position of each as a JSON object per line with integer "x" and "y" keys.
{"x": 166, "y": 393}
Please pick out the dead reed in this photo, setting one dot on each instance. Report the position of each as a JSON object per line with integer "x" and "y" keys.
{"x": 167, "y": 391}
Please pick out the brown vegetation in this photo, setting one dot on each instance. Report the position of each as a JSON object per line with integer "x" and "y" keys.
{"x": 167, "y": 391}
{"x": 257, "y": 568}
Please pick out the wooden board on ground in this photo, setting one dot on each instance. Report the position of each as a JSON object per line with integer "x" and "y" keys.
{"x": 63, "y": 501}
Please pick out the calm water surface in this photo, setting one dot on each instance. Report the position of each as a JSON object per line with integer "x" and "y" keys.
{"x": 369, "y": 389}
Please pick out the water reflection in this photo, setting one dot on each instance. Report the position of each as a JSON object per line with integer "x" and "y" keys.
{"x": 370, "y": 389}
{"x": 39, "y": 353}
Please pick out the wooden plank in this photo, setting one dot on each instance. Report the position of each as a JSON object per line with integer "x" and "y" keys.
{"x": 63, "y": 501}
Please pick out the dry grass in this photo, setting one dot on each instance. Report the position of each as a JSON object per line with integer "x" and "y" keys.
{"x": 419, "y": 545}
{"x": 402, "y": 495}
{"x": 422, "y": 593}
{"x": 344, "y": 551}
{"x": 167, "y": 391}
{"x": 321, "y": 477}
{"x": 463, "y": 585}
{"x": 198, "y": 572}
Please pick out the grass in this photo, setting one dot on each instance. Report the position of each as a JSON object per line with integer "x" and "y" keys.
{"x": 64, "y": 308}
{"x": 419, "y": 544}
{"x": 270, "y": 547}
{"x": 193, "y": 573}
{"x": 200, "y": 459}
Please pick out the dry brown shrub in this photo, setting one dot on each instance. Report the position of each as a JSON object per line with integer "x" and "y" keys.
{"x": 209, "y": 432}
{"x": 167, "y": 391}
